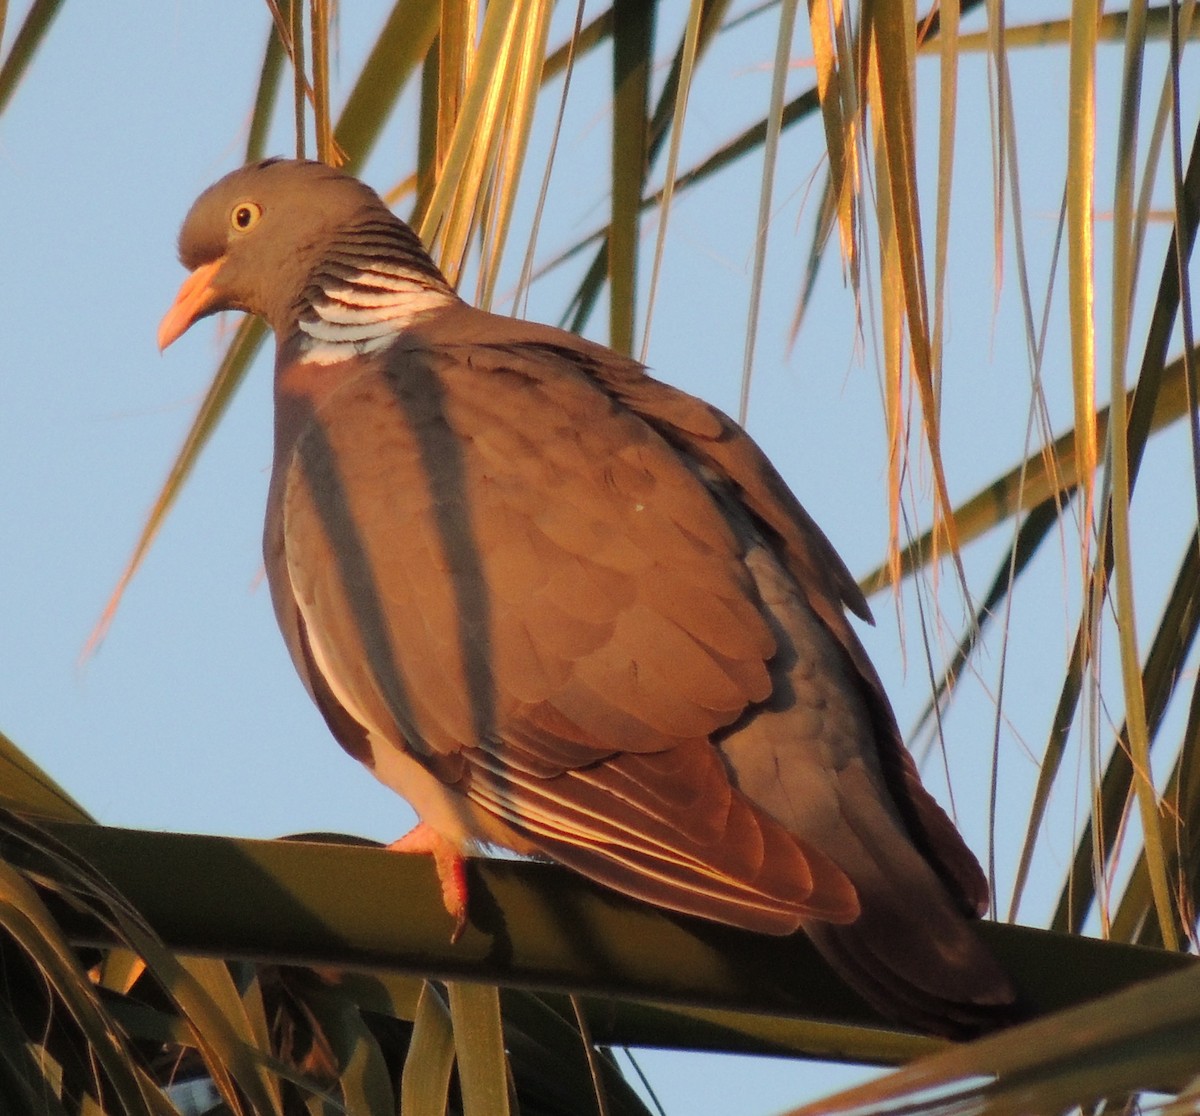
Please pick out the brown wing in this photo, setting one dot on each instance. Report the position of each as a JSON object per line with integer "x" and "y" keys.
{"x": 508, "y": 573}
{"x": 731, "y": 460}
{"x": 714, "y": 439}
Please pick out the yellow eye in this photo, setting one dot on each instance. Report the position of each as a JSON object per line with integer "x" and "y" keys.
{"x": 245, "y": 215}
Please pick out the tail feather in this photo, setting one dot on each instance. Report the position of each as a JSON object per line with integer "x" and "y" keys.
{"x": 911, "y": 954}
{"x": 891, "y": 985}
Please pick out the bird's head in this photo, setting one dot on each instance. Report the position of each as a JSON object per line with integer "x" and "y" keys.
{"x": 252, "y": 239}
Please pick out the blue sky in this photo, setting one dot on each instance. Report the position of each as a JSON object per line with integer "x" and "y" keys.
{"x": 190, "y": 717}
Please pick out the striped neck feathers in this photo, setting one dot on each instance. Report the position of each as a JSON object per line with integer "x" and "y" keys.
{"x": 368, "y": 287}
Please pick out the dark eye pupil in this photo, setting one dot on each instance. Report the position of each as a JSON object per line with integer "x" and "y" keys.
{"x": 242, "y": 216}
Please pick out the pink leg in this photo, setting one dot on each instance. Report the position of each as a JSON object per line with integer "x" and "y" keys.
{"x": 451, "y": 870}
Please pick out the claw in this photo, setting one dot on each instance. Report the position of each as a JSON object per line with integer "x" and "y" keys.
{"x": 451, "y": 869}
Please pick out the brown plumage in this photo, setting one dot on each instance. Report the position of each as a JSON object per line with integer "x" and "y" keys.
{"x": 568, "y": 610}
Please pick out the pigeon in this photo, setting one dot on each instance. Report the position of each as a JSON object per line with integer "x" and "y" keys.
{"x": 570, "y": 611}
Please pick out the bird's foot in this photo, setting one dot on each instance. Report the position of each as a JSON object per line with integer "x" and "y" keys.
{"x": 451, "y": 869}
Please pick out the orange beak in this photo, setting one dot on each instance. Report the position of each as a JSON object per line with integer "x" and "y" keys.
{"x": 195, "y": 299}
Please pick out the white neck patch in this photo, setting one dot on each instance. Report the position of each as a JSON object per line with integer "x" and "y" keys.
{"x": 363, "y": 311}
